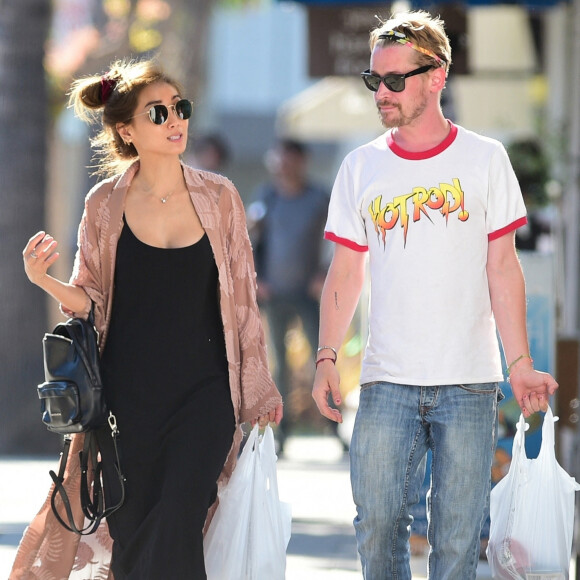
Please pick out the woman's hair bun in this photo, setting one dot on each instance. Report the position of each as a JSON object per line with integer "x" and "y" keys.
{"x": 108, "y": 85}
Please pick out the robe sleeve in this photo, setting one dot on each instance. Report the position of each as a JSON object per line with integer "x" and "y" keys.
{"x": 87, "y": 268}
{"x": 259, "y": 395}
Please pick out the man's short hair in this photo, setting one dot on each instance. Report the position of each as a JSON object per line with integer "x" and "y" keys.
{"x": 293, "y": 146}
{"x": 422, "y": 29}
{"x": 213, "y": 141}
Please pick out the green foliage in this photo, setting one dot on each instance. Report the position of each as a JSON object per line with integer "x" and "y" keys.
{"x": 532, "y": 169}
{"x": 239, "y": 3}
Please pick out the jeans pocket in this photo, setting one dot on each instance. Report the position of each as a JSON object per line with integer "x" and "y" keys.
{"x": 483, "y": 389}
{"x": 367, "y": 386}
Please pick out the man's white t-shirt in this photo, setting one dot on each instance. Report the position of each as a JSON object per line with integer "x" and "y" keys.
{"x": 426, "y": 220}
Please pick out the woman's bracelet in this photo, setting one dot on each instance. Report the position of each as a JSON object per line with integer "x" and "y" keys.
{"x": 325, "y": 358}
{"x": 321, "y": 348}
{"x": 517, "y": 360}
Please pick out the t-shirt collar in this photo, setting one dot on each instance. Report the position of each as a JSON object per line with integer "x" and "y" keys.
{"x": 419, "y": 155}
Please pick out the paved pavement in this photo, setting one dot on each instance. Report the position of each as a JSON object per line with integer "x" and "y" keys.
{"x": 312, "y": 476}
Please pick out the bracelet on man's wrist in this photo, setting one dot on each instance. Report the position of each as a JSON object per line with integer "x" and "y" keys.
{"x": 517, "y": 360}
{"x": 325, "y": 358}
{"x": 321, "y": 348}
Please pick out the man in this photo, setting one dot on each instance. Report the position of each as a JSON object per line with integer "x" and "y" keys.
{"x": 435, "y": 207}
{"x": 209, "y": 151}
{"x": 286, "y": 224}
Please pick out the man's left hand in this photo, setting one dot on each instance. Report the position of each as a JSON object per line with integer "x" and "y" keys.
{"x": 532, "y": 390}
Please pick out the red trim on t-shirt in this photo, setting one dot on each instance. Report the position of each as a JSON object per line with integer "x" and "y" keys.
{"x": 419, "y": 155}
{"x": 345, "y": 242}
{"x": 510, "y": 228}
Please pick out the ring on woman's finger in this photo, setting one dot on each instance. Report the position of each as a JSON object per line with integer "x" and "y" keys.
{"x": 33, "y": 254}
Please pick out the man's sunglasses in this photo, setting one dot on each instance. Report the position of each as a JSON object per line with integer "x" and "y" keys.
{"x": 395, "y": 83}
{"x": 159, "y": 114}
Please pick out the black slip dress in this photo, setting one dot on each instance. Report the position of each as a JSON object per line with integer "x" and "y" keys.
{"x": 165, "y": 376}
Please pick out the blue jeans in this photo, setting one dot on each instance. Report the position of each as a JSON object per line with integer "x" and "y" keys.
{"x": 395, "y": 426}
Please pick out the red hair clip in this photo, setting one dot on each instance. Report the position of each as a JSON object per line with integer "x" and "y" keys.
{"x": 107, "y": 87}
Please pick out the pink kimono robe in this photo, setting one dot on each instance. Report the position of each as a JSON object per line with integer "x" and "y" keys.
{"x": 49, "y": 552}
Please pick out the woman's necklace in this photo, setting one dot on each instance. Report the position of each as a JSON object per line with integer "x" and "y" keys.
{"x": 164, "y": 199}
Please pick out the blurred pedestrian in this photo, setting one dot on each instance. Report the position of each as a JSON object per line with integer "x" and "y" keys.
{"x": 165, "y": 258}
{"x": 209, "y": 151}
{"x": 436, "y": 208}
{"x": 532, "y": 169}
{"x": 286, "y": 223}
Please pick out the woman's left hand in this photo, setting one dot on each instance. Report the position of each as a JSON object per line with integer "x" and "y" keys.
{"x": 274, "y": 416}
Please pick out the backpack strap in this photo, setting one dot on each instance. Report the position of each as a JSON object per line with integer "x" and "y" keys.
{"x": 92, "y": 507}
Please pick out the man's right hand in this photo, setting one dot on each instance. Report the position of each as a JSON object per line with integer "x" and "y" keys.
{"x": 327, "y": 382}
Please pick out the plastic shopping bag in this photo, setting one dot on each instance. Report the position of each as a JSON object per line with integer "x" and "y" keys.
{"x": 532, "y": 513}
{"x": 250, "y": 531}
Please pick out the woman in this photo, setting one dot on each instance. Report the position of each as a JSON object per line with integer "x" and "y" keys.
{"x": 164, "y": 256}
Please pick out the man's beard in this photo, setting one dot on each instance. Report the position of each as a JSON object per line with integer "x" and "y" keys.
{"x": 391, "y": 120}
{"x": 399, "y": 119}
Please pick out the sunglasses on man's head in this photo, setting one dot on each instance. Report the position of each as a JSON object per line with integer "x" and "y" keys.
{"x": 159, "y": 114}
{"x": 399, "y": 37}
{"x": 393, "y": 82}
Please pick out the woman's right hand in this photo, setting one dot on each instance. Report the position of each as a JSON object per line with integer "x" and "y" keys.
{"x": 38, "y": 255}
{"x": 274, "y": 416}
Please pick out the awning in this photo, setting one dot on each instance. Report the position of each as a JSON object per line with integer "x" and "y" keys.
{"x": 427, "y": 5}
{"x": 333, "y": 109}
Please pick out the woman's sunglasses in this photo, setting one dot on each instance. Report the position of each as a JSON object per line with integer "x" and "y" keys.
{"x": 159, "y": 114}
{"x": 395, "y": 83}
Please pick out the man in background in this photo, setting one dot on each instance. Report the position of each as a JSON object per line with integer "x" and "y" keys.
{"x": 286, "y": 223}
{"x": 210, "y": 152}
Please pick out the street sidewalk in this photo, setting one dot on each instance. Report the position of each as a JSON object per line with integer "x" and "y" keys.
{"x": 312, "y": 476}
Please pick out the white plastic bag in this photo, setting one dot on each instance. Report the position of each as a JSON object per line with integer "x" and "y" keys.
{"x": 532, "y": 513}
{"x": 250, "y": 531}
